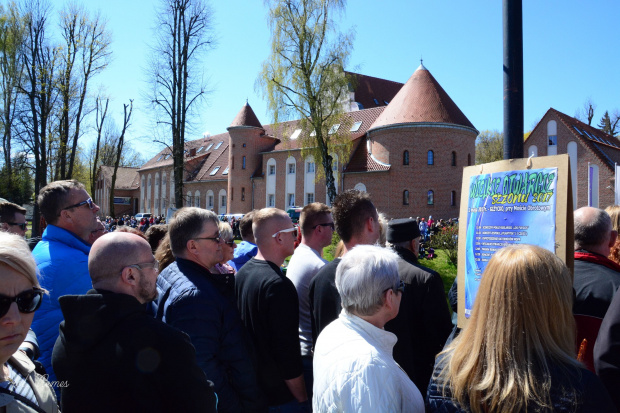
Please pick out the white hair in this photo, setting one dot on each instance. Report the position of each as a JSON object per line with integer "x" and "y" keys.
{"x": 362, "y": 277}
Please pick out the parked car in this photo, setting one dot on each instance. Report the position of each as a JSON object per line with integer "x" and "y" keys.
{"x": 141, "y": 215}
{"x": 294, "y": 213}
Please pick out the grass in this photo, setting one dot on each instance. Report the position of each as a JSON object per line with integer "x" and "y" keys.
{"x": 443, "y": 266}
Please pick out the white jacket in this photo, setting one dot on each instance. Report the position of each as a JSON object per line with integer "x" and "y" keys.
{"x": 354, "y": 371}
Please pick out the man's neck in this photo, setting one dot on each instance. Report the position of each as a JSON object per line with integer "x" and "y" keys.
{"x": 312, "y": 244}
{"x": 271, "y": 257}
{"x": 71, "y": 230}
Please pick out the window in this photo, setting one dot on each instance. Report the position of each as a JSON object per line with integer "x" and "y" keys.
{"x": 232, "y": 191}
{"x": 272, "y": 170}
{"x": 200, "y": 149}
{"x": 214, "y": 171}
{"x": 553, "y": 140}
{"x": 310, "y": 167}
{"x": 291, "y": 200}
{"x": 453, "y": 158}
{"x": 243, "y": 163}
{"x": 243, "y": 194}
{"x": 309, "y": 198}
{"x": 333, "y": 129}
{"x": 360, "y": 187}
{"x": 291, "y": 168}
{"x": 468, "y": 159}
{"x": 430, "y": 158}
{"x": 453, "y": 198}
{"x": 223, "y": 200}
{"x": 225, "y": 171}
{"x": 376, "y": 101}
{"x": 197, "y": 199}
{"x": 210, "y": 199}
{"x": 430, "y": 198}
{"x": 406, "y": 158}
{"x": 209, "y": 147}
{"x": 271, "y": 200}
{"x": 218, "y": 145}
{"x": 356, "y": 126}
{"x": 295, "y": 134}
{"x": 160, "y": 158}
{"x": 190, "y": 198}
{"x": 405, "y": 197}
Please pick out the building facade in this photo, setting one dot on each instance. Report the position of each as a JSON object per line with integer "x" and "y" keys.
{"x": 409, "y": 144}
{"x": 126, "y": 190}
{"x": 593, "y": 155}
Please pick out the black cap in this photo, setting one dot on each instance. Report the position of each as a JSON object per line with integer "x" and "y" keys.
{"x": 401, "y": 230}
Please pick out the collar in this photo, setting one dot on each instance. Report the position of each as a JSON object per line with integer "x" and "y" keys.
{"x": 54, "y": 233}
{"x": 192, "y": 267}
{"x": 377, "y": 337}
{"x": 406, "y": 254}
{"x": 583, "y": 255}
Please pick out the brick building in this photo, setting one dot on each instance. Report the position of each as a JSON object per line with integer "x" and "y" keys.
{"x": 557, "y": 133}
{"x": 126, "y": 190}
{"x": 409, "y": 144}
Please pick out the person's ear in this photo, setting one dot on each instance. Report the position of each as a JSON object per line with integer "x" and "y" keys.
{"x": 128, "y": 276}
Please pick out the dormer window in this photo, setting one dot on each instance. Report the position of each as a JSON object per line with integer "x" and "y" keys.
{"x": 218, "y": 145}
{"x": 214, "y": 171}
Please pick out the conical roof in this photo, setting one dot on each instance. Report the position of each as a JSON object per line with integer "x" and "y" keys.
{"x": 246, "y": 118}
{"x": 421, "y": 100}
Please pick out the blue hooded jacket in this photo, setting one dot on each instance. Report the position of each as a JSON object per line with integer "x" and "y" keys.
{"x": 62, "y": 260}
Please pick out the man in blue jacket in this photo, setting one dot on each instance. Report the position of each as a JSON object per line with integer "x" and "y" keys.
{"x": 201, "y": 303}
{"x": 62, "y": 256}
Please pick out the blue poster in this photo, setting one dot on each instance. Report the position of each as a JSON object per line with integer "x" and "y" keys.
{"x": 509, "y": 207}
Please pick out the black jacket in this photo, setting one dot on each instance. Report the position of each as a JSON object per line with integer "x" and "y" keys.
{"x": 607, "y": 351}
{"x": 574, "y": 390}
{"x": 595, "y": 286}
{"x": 203, "y": 306}
{"x": 423, "y": 322}
{"x": 116, "y": 358}
{"x": 324, "y": 298}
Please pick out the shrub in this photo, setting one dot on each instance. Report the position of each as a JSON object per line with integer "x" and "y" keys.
{"x": 447, "y": 239}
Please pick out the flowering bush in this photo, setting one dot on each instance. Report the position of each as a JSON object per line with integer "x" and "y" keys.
{"x": 447, "y": 239}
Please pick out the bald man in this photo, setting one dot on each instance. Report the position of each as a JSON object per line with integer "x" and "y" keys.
{"x": 269, "y": 308}
{"x": 110, "y": 354}
{"x": 597, "y": 278}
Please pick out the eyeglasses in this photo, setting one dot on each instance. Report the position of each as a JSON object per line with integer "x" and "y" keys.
{"x": 329, "y": 224}
{"x": 89, "y": 201}
{"x": 27, "y": 301}
{"x": 401, "y": 287}
{"x": 154, "y": 265}
{"x": 217, "y": 238}
{"x": 21, "y": 225}
{"x": 230, "y": 243}
{"x": 293, "y": 230}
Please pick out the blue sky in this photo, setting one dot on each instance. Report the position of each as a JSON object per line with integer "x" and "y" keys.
{"x": 570, "y": 55}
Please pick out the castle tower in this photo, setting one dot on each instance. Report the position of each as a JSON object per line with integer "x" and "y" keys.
{"x": 247, "y": 141}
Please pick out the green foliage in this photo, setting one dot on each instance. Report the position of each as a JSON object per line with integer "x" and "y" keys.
{"x": 489, "y": 147}
{"x": 304, "y": 75}
{"x": 443, "y": 266}
{"x": 447, "y": 239}
{"x": 609, "y": 124}
{"x": 20, "y": 190}
{"x": 330, "y": 250}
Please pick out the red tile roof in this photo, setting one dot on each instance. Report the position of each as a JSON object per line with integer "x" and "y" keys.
{"x": 126, "y": 178}
{"x": 421, "y": 100}
{"x": 246, "y": 117}
{"x": 362, "y": 161}
{"x": 368, "y": 89}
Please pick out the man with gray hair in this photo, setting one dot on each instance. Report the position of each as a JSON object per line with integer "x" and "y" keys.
{"x": 596, "y": 277}
{"x": 62, "y": 256}
{"x": 269, "y": 308}
{"x": 202, "y": 305}
{"x": 354, "y": 370}
{"x": 112, "y": 355}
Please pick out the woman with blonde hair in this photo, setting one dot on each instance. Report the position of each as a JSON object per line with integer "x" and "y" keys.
{"x": 21, "y": 389}
{"x": 614, "y": 213}
{"x": 228, "y": 250}
{"x": 517, "y": 352}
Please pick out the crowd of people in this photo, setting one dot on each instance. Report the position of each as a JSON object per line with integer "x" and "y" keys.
{"x": 179, "y": 317}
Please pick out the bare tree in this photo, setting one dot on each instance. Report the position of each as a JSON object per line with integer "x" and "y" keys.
{"x": 100, "y": 115}
{"x": 183, "y": 36}
{"x": 85, "y": 53}
{"x": 304, "y": 73}
{"x": 119, "y": 151}
{"x": 40, "y": 63}
{"x": 11, "y": 70}
{"x": 586, "y": 113}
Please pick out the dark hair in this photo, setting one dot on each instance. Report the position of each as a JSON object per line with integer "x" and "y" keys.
{"x": 312, "y": 215}
{"x": 8, "y": 211}
{"x": 187, "y": 224}
{"x": 53, "y": 198}
{"x": 245, "y": 225}
{"x": 155, "y": 234}
{"x": 350, "y": 210}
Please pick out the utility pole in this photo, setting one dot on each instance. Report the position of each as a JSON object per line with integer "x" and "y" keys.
{"x": 513, "y": 78}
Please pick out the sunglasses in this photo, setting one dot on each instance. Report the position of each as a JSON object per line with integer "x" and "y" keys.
{"x": 401, "y": 287}
{"x": 21, "y": 226}
{"x": 27, "y": 301}
{"x": 89, "y": 201}
{"x": 329, "y": 224}
{"x": 293, "y": 230}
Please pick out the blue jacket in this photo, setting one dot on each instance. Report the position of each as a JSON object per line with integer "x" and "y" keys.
{"x": 243, "y": 253}
{"x": 203, "y": 306}
{"x": 62, "y": 259}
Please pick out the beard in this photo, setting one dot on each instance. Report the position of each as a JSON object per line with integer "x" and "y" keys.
{"x": 146, "y": 291}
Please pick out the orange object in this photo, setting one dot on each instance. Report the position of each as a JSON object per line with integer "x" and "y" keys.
{"x": 582, "y": 350}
